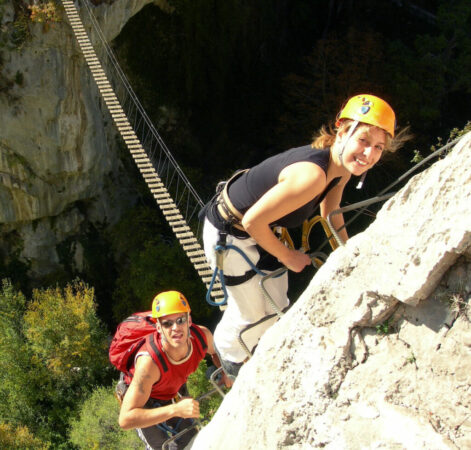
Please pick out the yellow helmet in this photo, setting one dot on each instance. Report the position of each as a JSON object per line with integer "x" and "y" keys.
{"x": 369, "y": 109}
{"x": 169, "y": 302}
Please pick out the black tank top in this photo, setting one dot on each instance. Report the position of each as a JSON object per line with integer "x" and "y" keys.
{"x": 249, "y": 187}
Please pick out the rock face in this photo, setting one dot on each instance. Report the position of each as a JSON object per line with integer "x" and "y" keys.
{"x": 58, "y": 158}
{"x": 377, "y": 352}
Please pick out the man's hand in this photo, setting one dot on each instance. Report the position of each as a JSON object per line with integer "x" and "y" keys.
{"x": 226, "y": 380}
{"x": 188, "y": 408}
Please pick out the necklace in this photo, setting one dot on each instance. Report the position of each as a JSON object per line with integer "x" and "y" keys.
{"x": 185, "y": 358}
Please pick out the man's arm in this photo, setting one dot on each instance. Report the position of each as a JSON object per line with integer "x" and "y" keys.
{"x": 134, "y": 415}
{"x": 212, "y": 352}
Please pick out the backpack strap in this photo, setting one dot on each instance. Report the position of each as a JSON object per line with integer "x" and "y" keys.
{"x": 200, "y": 337}
{"x": 157, "y": 352}
{"x": 163, "y": 364}
{"x": 131, "y": 357}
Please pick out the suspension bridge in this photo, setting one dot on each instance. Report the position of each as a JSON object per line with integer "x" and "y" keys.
{"x": 173, "y": 192}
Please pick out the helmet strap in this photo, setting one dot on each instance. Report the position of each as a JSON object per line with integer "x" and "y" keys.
{"x": 349, "y": 135}
{"x": 362, "y": 179}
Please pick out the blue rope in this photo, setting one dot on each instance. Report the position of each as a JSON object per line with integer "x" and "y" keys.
{"x": 167, "y": 429}
{"x": 223, "y": 302}
{"x": 163, "y": 425}
{"x": 219, "y": 272}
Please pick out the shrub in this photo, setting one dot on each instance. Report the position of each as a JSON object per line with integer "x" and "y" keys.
{"x": 19, "y": 438}
{"x": 97, "y": 424}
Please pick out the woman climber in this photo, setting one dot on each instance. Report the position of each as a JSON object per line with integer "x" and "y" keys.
{"x": 284, "y": 190}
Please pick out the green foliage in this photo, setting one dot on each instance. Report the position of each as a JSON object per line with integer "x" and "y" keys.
{"x": 198, "y": 385}
{"x": 19, "y": 438}
{"x": 412, "y": 359}
{"x": 52, "y": 354}
{"x": 63, "y": 330}
{"x": 97, "y": 424}
{"x": 454, "y": 134}
{"x": 16, "y": 373}
{"x": 385, "y": 328}
{"x": 17, "y": 33}
{"x": 417, "y": 157}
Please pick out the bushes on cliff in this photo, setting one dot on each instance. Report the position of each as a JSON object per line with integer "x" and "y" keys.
{"x": 52, "y": 354}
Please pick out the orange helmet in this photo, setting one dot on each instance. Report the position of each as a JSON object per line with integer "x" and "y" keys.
{"x": 169, "y": 302}
{"x": 369, "y": 109}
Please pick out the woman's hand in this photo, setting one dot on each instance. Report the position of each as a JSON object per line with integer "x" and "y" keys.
{"x": 296, "y": 260}
{"x": 298, "y": 184}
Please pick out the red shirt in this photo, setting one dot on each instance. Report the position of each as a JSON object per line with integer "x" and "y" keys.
{"x": 173, "y": 376}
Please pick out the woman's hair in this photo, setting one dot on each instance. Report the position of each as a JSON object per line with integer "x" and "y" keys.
{"x": 326, "y": 135}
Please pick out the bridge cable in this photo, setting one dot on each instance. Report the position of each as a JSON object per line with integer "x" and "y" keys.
{"x": 146, "y": 161}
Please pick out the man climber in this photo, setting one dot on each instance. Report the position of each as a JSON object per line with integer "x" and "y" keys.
{"x": 160, "y": 369}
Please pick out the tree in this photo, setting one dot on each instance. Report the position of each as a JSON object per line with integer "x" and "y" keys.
{"x": 19, "y": 438}
{"x": 65, "y": 333}
{"x": 69, "y": 345}
{"x": 17, "y": 371}
{"x": 331, "y": 74}
{"x": 52, "y": 354}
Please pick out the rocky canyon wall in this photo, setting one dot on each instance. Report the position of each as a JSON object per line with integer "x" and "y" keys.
{"x": 59, "y": 159}
{"x": 376, "y": 354}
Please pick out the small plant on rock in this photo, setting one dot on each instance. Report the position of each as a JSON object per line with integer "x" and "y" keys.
{"x": 460, "y": 306}
{"x": 45, "y": 13}
{"x": 385, "y": 327}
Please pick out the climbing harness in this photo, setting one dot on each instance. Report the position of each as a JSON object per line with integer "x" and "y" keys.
{"x": 317, "y": 257}
{"x": 177, "y": 435}
{"x": 230, "y": 280}
{"x": 224, "y": 205}
{"x": 226, "y": 280}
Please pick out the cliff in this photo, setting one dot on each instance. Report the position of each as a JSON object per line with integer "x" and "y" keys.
{"x": 377, "y": 351}
{"x": 60, "y": 168}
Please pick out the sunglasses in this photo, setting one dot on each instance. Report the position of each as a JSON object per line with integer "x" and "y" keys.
{"x": 179, "y": 321}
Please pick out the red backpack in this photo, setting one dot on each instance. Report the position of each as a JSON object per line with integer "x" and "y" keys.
{"x": 129, "y": 338}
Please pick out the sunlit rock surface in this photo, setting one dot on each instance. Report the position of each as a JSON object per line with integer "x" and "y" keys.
{"x": 376, "y": 354}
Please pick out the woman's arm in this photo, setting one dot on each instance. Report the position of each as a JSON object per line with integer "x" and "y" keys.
{"x": 134, "y": 415}
{"x": 297, "y": 184}
{"x": 331, "y": 202}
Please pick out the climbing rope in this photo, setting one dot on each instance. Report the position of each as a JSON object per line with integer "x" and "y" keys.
{"x": 153, "y": 159}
